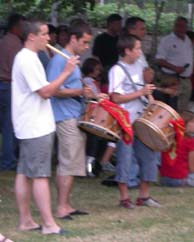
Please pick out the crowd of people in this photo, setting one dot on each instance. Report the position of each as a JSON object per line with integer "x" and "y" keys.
{"x": 43, "y": 95}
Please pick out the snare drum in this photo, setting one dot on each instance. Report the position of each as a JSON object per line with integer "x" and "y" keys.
{"x": 153, "y": 128}
{"x": 98, "y": 121}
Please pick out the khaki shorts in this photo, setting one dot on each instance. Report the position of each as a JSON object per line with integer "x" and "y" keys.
{"x": 71, "y": 149}
{"x": 35, "y": 156}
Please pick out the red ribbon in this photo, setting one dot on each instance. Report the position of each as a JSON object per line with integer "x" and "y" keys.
{"x": 171, "y": 154}
{"x": 122, "y": 117}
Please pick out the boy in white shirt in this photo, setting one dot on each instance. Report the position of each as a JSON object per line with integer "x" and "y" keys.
{"x": 131, "y": 95}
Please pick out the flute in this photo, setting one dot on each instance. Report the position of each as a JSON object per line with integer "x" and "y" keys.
{"x": 57, "y": 51}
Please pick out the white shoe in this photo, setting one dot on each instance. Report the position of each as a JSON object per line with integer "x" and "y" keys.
{"x": 89, "y": 166}
{"x": 150, "y": 202}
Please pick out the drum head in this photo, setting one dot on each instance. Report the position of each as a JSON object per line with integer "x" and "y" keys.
{"x": 151, "y": 135}
{"x": 98, "y": 131}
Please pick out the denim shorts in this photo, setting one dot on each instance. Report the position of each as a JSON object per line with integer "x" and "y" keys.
{"x": 172, "y": 182}
{"x": 35, "y": 156}
{"x": 144, "y": 156}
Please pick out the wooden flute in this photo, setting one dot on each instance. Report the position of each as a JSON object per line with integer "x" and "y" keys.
{"x": 57, "y": 51}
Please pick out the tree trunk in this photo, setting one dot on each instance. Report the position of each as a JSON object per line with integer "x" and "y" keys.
{"x": 54, "y": 13}
{"x": 190, "y": 14}
{"x": 158, "y": 9}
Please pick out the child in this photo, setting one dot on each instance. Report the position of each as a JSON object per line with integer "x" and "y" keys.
{"x": 92, "y": 71}
{"x": 181, "y": 171}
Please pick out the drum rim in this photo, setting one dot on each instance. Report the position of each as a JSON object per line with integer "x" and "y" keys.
{"x": 156, "y": 129}
{"x": 167, "y": 107}
{"x": 100, "y": 127}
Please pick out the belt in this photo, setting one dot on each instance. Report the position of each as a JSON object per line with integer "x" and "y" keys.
{"x": 6, "y": 82}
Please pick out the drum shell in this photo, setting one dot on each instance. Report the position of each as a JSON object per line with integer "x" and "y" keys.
{"x": 98, "y": 121}
{"x": 153, "y": 127}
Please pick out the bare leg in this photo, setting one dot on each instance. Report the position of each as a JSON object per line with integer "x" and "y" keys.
{"x": 144, "y": 191}
{"x": 107, "y": 154}
{"x": 64, "y": 188}
{"x": 23, "y": 195}
{"x": 41, "y": 193}
{"x": 123, "y": 190}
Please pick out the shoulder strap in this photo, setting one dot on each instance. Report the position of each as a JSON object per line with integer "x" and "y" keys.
{"x": 132, "y": 82}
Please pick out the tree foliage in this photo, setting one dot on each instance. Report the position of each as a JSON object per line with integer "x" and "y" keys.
{"x": 42, "y": 8}
{"x": 96, "y": 13}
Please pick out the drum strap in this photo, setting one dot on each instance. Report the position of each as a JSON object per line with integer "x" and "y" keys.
{"x": 144, "y": 101}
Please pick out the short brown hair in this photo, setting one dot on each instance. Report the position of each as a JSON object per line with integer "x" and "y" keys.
{"x": 126, "y": 41}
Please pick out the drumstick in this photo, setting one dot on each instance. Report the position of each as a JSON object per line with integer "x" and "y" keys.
{"x": 162, "y": 89}
{"x": 57, "y": 51}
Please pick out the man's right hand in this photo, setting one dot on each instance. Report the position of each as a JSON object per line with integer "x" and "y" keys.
{"x": 179, "y": 69}
{"x": 71, "y": 63}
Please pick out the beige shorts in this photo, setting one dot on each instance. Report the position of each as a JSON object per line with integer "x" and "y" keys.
{"x": 71, "y": 149}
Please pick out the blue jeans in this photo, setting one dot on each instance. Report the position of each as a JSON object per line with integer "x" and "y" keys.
{"x": 133, "y": 173}
{"x": 141, "y": 155}
{"x": 7, "y": 158}
{"x": 172, "y": 182}
{"x": 124, "y": 154}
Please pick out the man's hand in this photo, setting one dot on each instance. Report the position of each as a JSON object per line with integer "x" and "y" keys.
{"x": 72, "y": 62}
{"x": 179, "y": 69}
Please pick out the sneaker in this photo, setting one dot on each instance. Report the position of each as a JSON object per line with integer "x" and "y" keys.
{"x": 108, "y": 167}
{"x": 150, "y": 202}
{"x": 127, "y": 204}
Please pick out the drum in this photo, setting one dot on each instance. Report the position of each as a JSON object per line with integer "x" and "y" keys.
{"x": 153, "y": 127}
{"x": 99, "y": 122}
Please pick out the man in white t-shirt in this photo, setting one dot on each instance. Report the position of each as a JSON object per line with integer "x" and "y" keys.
{"x": 34, "y": 126}
{"x": 131, "y": 96}
{"x": 175, "y": 57}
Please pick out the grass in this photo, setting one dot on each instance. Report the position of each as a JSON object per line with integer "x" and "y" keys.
{"x": 174, "y": 222}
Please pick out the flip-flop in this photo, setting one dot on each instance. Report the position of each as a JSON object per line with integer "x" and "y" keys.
{"x": 60, "y": 232}
{"x": 66, "y": 217}
{"x": 32, "y": 229}
{"x": 35, "y": 229}
{"x": 78, "y": 212}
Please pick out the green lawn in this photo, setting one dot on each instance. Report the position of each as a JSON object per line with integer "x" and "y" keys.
{"x": 107, "y": 222}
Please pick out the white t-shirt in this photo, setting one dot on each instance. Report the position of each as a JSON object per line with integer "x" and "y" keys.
{"x": 177, "y": 52}
{"x": 119, "y": 83}
{"x": 32, "y": 115}
{"x": 143, "y": 60}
